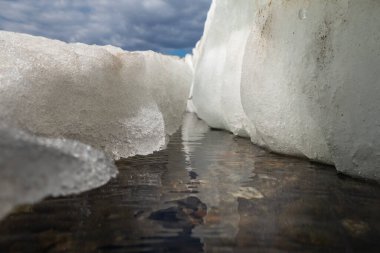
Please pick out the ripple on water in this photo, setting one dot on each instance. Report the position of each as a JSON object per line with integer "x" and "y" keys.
{"x": 209, "y": 191}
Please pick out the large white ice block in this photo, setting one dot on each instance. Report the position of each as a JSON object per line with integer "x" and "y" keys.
{"x": 122, "y": 102}
{"x": 306, "y": 73}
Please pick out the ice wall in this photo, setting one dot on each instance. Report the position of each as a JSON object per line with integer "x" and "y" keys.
{"x": 125, "y": 103}
{"x": 305, "y": 74}
{"x": 217, "y": 64}
{"x": 32, "y": 168}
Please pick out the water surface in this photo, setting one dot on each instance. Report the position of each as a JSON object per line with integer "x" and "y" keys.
{"x": 209, "y": 191}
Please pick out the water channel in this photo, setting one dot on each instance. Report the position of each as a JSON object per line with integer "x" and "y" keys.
{"x": 209, "y": 191}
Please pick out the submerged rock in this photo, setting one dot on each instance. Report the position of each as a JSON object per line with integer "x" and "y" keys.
{"x": 125, "y": 103}
{"x": 32, "y": 168}
{"x": 303, "y": 74}
{"x": 187, "y": 213}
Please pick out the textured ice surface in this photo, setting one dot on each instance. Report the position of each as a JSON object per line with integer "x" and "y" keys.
{"x": 317, "y": 76}
{"x": 169, "y": 82}
{"x": 122, "y": 102}
{"x": 217, "y": 62}
{"x": 273, "y": 95}
{"x": 32, "y": 168}
{"x": 307, "y": 75}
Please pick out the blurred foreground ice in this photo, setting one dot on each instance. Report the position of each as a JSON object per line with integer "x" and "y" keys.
{"x": 33, "y": 168}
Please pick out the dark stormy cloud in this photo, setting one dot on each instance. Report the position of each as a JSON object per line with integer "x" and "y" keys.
{"x": 169, "y": 26}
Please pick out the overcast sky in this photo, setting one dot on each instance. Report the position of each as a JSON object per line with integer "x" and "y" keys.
{"x": 167, "y": 26}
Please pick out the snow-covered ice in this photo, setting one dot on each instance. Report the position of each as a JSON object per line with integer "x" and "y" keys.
{"x": 169, "y": 82}
{"x": 303, "y": 74}
{"x": 32, "y": 168}
{"x": 217, "y": 66}
{"x": 124, "y": 103}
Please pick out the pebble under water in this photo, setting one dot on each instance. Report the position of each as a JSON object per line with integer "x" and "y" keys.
{"x": 209, "y": 191}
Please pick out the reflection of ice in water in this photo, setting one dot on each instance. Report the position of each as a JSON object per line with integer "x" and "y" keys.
{"x": 193, "y": 130}
{"x": 221, "y": 173}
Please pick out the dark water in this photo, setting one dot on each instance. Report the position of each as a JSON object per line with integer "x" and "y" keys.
{"x": 208, "y": 192}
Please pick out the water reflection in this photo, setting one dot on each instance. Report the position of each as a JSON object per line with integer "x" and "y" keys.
{"x": 207, "y": 192}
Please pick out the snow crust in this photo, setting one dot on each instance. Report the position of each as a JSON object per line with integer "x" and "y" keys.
{"x": 299, "y": 77}
{"x": 125, "y": 103}
{"x": 34, "y": 167}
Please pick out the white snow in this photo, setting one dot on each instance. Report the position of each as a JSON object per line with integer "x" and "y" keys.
{"x": 33, "y": 168}
{"x": 218, "y": 57}
{"x": 125, "y": 103}
{"x": 300, "y": 77}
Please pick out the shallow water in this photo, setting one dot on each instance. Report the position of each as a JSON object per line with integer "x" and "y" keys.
{"x": 207, "y": 192}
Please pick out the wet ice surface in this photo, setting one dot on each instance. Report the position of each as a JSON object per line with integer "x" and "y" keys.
{"x": 208, "y": 192}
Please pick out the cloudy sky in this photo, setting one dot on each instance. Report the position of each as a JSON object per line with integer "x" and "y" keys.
{"x": 167, "y": 26}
